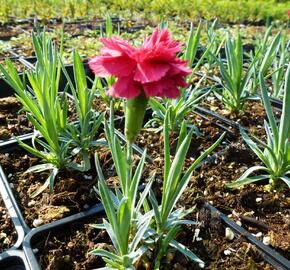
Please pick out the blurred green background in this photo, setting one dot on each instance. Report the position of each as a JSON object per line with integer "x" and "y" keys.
{"x": 235, "y": 11}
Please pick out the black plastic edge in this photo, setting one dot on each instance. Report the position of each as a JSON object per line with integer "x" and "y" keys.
{"x": 12, "y": 211}
{"x": 12, "y": 206}
{"x": 219, "y": 117}
{"x": 10, "y": 146}
{"x": 27, "y": 244}
{"x": 14, "y": 260}
{"x": 269, "y": 254}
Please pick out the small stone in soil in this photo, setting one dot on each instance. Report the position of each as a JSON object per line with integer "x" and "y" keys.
{"x": 31, "y": 203}
{"x": 239, "y": 222}
{"x": 37, "y": 222}
{"x": 86, "y": 206}
{"x": 267, "y": 240}
{"x": 227, "y": 252}
{"x": 229, "y": 234}
{"x": 2, "y": 235}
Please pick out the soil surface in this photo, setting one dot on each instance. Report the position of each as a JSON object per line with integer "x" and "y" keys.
{"x": 13, "y": 122}
{"x": 13, "y": 119}
{"x": 8, "y": 233}
{"x": 208, "y": 133}
{"x": 264, "y": 213}
{"x": 73, "y": 191}
{"x": 252, "y": 117}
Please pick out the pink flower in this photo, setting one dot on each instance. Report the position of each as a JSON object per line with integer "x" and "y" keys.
{"x": 289, "y": 13}
{"x": 153, "y": 67}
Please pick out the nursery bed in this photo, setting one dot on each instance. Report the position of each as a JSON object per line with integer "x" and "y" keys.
{"x": 73, "y": 192}
{"x": 68, "y": 247}
{"x": 12, "y": 122}
{"x": 264, "y": 213}
{"x": 8, "y": 234}
{"x": 62, "y": 237}
{"x": 252, "y": 118}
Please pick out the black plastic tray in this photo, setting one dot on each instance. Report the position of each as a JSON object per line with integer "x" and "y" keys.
{"x": 269, "y": 254}
{"x": 14, "y": 260}
{"x": 8, "y": 193}
{"x": 38, "y": 233}
{"x": 9, "y": 204}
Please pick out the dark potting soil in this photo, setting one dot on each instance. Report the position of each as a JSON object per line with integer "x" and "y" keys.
{"x": 152, "y": 140}
{"x": 73, "y": 191}
{"x": 100, "y": 106}
{"x": 13, "y": 122}
{"x": 8, "y": 233}
{"x": 252, "y": 117}
{"x": 7, "y": 32}
{"x": 13, "y": 119}
{"x": 264, "y": 213}
{"x": 68, "y": 248}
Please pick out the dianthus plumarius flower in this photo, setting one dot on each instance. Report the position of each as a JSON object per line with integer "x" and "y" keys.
{"x": 152, "y": 68}
{"x": 148, "y": 71}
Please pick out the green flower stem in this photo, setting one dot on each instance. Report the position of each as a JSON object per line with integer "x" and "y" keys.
{"x": 129, "y": 167}
{"x": 135, "y": 112}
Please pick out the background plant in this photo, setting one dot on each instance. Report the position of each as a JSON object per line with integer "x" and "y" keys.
{"x": 177, "y": 109}
{"x": 279, "y": 66}
{"x": 265, "y": 54}
{"x": 275, "y": 153}
{"x": 235, "y": 81}
{"x": 82, "y": 135}
{"x": 233, "y": 11}
{"x": 45, "y": 109}
{"x": 217, "y": 44}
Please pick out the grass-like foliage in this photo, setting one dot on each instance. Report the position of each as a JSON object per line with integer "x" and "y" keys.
{"x": 275, "y": 153}
{"x": 47, "y": 109}
{"x": 235, "y": 81}
{"x": 124, "y": 226}
{"x": 82, "y": 135}
{"x": 168, "y": 219}
{"x": 177, "y": 109}
{"x": 134, "y": 227}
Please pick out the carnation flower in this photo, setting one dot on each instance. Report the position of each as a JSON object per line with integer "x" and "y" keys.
{"x": 152, "y": 68}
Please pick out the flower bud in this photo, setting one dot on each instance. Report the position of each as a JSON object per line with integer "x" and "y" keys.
{"x": 135, "y": 112}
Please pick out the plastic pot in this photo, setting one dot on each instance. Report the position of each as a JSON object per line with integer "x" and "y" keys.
{"x": 36, "y": 234}
{"x": 7, "y": 147}
{"x": 14, "y": 260}
{"x": 13, "y": 213}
